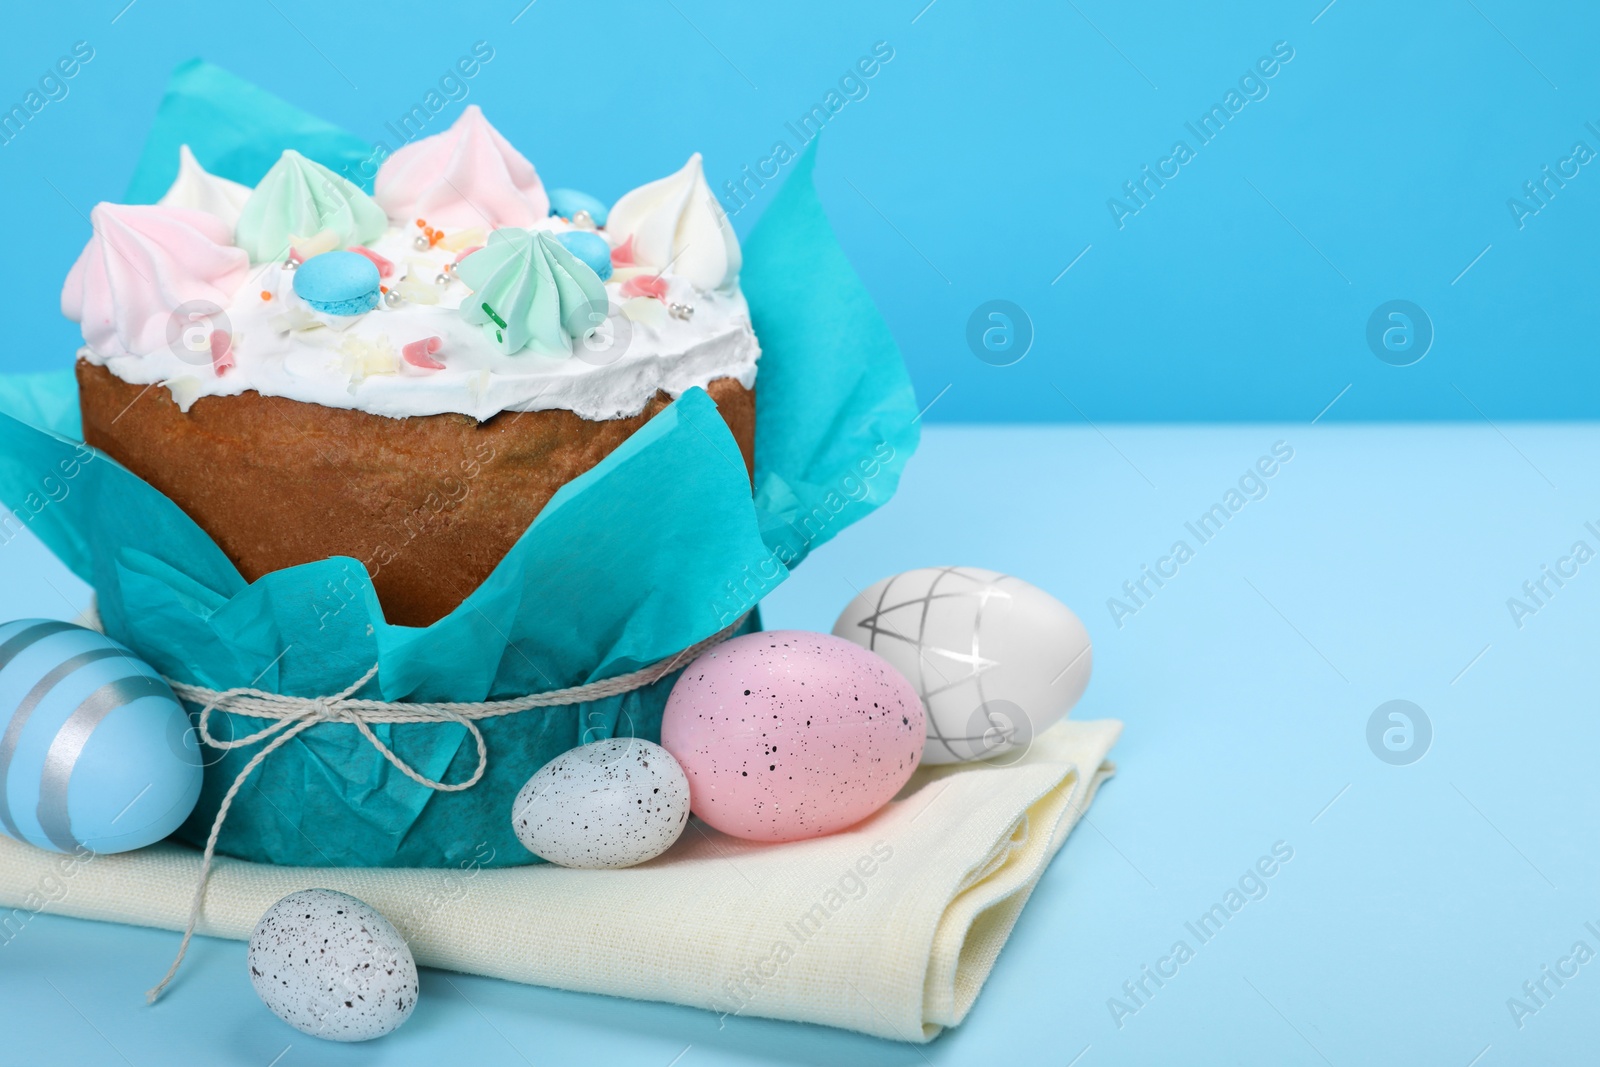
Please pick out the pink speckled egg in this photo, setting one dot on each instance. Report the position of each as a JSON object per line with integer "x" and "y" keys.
{"x": 788, "y": 734}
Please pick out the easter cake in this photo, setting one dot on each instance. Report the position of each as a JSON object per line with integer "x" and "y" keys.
{"x": 406, "y": 378}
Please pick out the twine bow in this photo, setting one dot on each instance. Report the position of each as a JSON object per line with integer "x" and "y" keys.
{"x": 293, "y": 716}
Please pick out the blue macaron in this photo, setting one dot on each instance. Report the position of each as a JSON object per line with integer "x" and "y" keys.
{"x": 338, "y": 283}
{"x": 568, "y": 202}
{"x": 589, "y": 247}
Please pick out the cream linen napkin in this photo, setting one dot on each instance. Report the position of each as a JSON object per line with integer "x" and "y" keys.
{"x": 889, "y": 928}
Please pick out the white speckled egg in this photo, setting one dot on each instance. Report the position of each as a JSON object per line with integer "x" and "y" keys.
{"x": 611, "y": 803}
{"x": 331, "y": 966}
{"x": 995, "y": 660}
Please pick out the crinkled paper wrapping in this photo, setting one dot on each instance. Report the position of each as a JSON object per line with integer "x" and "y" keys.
{"x": 656, "y": 548}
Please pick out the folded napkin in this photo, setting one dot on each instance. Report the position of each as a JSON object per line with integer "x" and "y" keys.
{"x": 889, "y": 928}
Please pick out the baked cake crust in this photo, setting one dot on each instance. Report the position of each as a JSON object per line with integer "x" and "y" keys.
{"x": 430, "y": 504}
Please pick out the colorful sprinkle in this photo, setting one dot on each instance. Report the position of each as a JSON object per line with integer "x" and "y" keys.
{"x": 646, "y": 285}
{"x": 455, "y": 242}
{"x": 222, "y": 360}
{"x": 304, "y": 248}
{"x": 385, "y": 267}
{"x": 420, "y": 353}
{"x": 265, "y": 295}
{"x": 489, "y": 311}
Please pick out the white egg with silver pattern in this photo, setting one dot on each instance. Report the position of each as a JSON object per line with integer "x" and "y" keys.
{"x": 995, "y": 660}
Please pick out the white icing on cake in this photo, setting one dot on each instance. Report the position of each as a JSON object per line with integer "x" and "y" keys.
{"x": 355, "y": 361}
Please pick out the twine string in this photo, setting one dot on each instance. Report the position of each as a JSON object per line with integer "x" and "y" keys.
{"x": 291, "y": 716}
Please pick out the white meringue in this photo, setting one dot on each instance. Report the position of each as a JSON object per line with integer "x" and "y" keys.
{"x": 675, "y": 220}
{"x": 199, "y": 189}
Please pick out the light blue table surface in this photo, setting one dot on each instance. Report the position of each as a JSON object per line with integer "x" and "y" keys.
{"x": 1419, "y": 898}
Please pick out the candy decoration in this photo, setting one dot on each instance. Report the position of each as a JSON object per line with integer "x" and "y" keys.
{"x": 202, "y": 191}
{"x": 787, "y": 735}
{"x": 461, "y": 239}
{"x": 222, "y": 360}
{"x": 300, "y": 196}
{"x": 417, "y": 291}
{"x": 682, "y": 312}
{"x": 96, "y": 752}
{"x": 145, "y": 269}
{"x": 622, "y": 255}
{"x": 608, "y": 804}
{"x": 677, "y": 221}
{"x": 468, "y": 175}
{"x": 530, "y": 292}
{"x": 303, "y": 248}
{"x": 591, "y": 248}
{"x": 338, "y": 283}
{"x": 994, "y": 659}
{"x": 645, "y": 285}
{"x": 569, "y": 202}
{"x": 420, "y": 353}
{"x": 646, "y": 310}
{"x": 385, "y": 267}
{"x": 331, "y": 966}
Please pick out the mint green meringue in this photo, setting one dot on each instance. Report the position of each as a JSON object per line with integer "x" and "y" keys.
{"x": 528, "y": 291}
{"x": 300, "y": 198}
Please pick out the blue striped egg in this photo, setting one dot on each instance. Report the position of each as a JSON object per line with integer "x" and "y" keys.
{"x": 97, "y": 753}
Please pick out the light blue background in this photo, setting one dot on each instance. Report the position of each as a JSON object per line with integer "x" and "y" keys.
{"x": 1419, "y": 898}
{"x": 978, "y": 167}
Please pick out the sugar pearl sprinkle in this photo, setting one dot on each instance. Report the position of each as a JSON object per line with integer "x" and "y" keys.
{"x": 684, "y": 312}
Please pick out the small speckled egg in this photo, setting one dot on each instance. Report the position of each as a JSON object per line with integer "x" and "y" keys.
{"x": 612, "y": 803}
{"x": 568, "y": 202}
{"x": 331, "y": 966}
{"x": 338, "y": 283}
{"x": 591, "y": 248}
{"x": 788, "y": 734}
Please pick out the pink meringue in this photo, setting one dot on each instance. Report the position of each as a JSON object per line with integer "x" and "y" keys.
{"x": 469, "y": 175}
{"x": 142, "y": 264}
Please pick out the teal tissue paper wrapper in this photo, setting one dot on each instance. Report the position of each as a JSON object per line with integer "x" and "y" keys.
{"x": 237, "y": 131}
{"x": 656, "y": 548}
